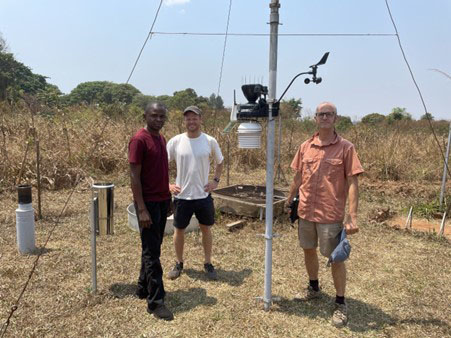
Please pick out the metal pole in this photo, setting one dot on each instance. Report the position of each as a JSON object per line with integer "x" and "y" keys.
{"x": 445, "y": 174}
{"x": 274, "y": 29}
{"x": 279, "y": 142}
{"x": 94, "y": 225}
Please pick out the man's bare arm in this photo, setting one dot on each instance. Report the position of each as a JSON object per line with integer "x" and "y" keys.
{"x": 294, "y": 187}
{"x": 173, "y": 188}
{"x": 135, "y": 180}
{"x": 353, "y": 199}
{"x": 218, "y": 171}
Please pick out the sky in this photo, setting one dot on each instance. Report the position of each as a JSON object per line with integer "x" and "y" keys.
{"x": 77, "y": 41}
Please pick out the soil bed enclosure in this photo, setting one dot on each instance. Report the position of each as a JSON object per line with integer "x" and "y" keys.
{"x": 247, "y": 200}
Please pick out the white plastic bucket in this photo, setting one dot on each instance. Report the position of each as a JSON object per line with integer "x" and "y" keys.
{"x": 249, "y": 135}
{"x": 133, "y": 222}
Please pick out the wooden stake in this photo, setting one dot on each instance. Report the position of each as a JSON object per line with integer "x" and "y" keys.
{"x": 228, "y": 160}
{"x": 291, "y": 138}
{"x": 442, "y": 225}
{"x": 66, "y": 134}
{"x": 235, "y": 225}
{"x": 32, "y": 104}
{"x": 19, "y": 177}
{"x": 38, "y": 173}
{"x": 4, "y": 149}
{"x": 409, "y": 219}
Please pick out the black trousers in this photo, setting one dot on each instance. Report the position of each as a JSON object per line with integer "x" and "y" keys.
{"x": 150, "y": 279}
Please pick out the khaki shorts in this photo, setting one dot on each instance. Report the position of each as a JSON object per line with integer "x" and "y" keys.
{"x": 310, "y": 232}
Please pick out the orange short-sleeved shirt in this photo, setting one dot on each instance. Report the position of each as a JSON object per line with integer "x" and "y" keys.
{"x": 324, "y": 168}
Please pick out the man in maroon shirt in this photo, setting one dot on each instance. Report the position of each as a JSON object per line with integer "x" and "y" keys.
{"x": 150, "y": 186}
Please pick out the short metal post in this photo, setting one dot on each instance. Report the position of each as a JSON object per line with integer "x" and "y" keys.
{"x": 94, "y": 226}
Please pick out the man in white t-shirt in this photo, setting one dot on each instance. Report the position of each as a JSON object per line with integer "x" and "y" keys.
{"x": 191, "y": 152}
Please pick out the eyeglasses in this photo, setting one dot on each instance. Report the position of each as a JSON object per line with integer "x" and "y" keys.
{"x": 327, "y": 114}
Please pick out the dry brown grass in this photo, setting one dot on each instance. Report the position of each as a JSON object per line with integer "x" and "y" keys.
{"x": 397, "y": 283}
{"x": 405, "y": 152}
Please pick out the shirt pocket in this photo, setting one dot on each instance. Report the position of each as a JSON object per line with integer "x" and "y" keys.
{"x": 333, "y": 168}
{"x": 309, "y": 166}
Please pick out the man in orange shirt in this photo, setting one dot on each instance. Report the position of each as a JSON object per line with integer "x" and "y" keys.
{"x": 326, "y": 168}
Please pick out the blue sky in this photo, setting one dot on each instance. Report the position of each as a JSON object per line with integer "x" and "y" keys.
{"x": 78, "y": 41}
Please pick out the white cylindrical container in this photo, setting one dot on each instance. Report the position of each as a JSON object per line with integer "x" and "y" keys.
{"x": 25, "y": 221}
{"x": 169, "y": 228}
{"x": 249, "y": 135}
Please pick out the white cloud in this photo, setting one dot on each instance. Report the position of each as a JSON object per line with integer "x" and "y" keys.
{"x": 175, "y": 2}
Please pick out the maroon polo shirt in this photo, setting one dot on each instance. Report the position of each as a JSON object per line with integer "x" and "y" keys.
{"x": 150, "y": 152}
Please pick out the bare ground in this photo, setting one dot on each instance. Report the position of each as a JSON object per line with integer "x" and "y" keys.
{"x": 398, "y": 281}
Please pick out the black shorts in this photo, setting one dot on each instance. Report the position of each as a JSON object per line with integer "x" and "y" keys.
{"x": 202, "y": 208}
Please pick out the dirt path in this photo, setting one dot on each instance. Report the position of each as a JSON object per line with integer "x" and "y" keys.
{"x": 422, "y": 225}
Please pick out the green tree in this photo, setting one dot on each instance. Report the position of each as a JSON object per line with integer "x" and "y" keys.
{"x": 50, "y": 96}
{"x": 17, "y": 79}
{"x": 3, "y": 47}
{"x": 123, "y": 93}
{"x": 374, "y": 118}
{"x": 343, "y": 123}
{"x": 398, "y": 114}
{"x": 215, "y": 102}
{"x": 427, "y": 116}
{"x": 308, "y": 125}
{"x": 183, "y": 98}
{"x": 141, "y": 100}
{"x": 88, "y": 92}
{"x": 291, "y": 109}
{"x": 103, "y": 92}
{"x": 164, "y": 99}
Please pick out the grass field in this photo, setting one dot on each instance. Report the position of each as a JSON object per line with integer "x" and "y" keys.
{"x": 398, "y": 281}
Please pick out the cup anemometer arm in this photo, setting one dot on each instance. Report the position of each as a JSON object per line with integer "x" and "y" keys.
{"x": 312, "y": 72}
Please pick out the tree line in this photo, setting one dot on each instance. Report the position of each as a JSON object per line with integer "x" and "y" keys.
{"x": 18, "y": 80}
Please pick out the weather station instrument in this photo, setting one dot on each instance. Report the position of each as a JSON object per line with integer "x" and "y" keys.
{"x": 249, "y": 114}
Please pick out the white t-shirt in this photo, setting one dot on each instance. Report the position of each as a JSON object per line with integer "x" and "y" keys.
{"x": 192, "y": 156}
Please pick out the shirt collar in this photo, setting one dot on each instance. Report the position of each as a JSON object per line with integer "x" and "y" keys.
{"x": 315, "y": 140}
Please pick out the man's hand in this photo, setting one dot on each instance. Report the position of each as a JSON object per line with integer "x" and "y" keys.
{"x": 210, "y": 186}
{"x": 174, "y": 189}
{"x": 287, "y": 208}
{"x": 351, "y": 226}
{"x": 144, "y": 218}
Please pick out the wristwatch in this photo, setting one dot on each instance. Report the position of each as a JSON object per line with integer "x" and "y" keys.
{"x": 216, "y": 180}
